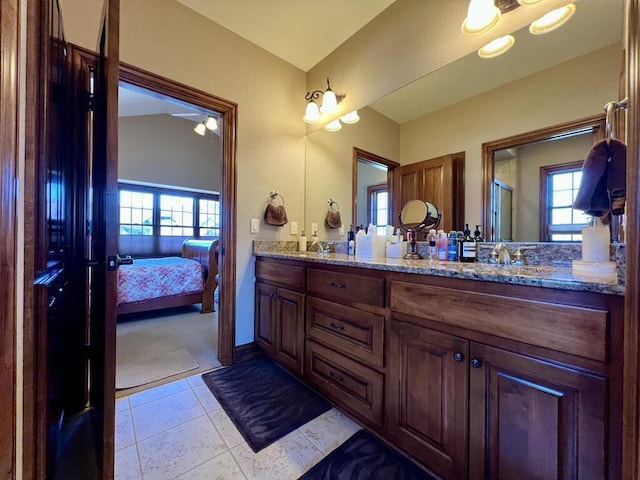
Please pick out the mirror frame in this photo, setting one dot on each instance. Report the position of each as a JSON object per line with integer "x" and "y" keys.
{"x": 368, "y": 157}
{"x": 596, "y": 122}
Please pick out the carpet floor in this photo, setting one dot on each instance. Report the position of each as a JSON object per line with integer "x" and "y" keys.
{"x": 264, "y": 401}
{"x": 161, "y": 332}
{"x": 364, "y": 457}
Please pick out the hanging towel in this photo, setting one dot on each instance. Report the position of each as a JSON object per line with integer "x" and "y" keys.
{"x": 275, "y": 214}
{"x": 333, "y": 215}
{"x": 603, "y": 185}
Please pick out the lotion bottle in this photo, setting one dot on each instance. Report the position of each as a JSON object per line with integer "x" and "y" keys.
{"x": 302, "y": 243}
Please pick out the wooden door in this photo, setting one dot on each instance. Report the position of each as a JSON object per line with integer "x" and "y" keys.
{"x": 290, "y": 330}
{"x": 530, "y": 419}
{"x": 427, "y": 397}
{"x": 440, "y": 181}
{"x": 265, "y": 317}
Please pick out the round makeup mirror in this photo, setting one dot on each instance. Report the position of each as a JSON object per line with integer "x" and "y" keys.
{"x": 416, "y": 216}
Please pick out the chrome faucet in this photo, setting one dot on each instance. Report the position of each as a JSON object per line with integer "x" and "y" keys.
{"x": 500, "y": 254}
{"x": 323, "y": 247}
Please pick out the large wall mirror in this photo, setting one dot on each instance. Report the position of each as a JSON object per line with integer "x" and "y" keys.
{"x": 543, "y": 81}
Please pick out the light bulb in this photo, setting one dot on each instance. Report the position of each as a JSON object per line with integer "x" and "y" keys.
{"x": 211, "y": 123}
{"x": 497, "y": 47}
{"x": 481, "y": 16}
{"x": 333, "y": 126}
{"x": 312, "y": 114}
{"x": 351, "y": 117}
{"x": 200, "y": 129}
{"x": 552, "y": 20}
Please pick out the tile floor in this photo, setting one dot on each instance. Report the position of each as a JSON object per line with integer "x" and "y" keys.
{"x": 179, "y": 431}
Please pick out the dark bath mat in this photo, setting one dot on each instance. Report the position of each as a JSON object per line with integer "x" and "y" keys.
{"x": 364, "y": 457}
{"x": 263, "y": 400}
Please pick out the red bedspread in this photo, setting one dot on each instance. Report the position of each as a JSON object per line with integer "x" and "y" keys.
{"x": 151, "y": 278}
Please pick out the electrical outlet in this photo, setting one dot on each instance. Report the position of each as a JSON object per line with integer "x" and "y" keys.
{"x": 255, "y": 225}
{"x": 294, "y": 228}
{"x": 314, "y": 229}
{"x": 341, "y": 231}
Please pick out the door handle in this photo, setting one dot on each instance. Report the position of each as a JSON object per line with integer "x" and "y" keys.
{"x": 114, "y": 261}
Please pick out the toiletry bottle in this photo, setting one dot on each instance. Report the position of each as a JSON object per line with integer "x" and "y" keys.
{"x": 351, "y": 241}
{"x": 468, "y": 247}
{"x": 441, "y": 245}
{"x": 302, "y": 242}
{"x": 398, "y": 236}
{"x": 452, "y": 251}
{"x": 432, "y": 249}
{"x": 477, "y": 237}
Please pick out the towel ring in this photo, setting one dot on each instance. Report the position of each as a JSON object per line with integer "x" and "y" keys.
{"x": 274, "y": 195}
{"x": 610, "y": 109}
{"x": 333, "y": 203}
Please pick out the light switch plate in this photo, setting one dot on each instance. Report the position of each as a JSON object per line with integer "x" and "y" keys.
{"x": 255, "y": 225}
{"x": 341, "y": 230}
{"x": 294, "y": 228}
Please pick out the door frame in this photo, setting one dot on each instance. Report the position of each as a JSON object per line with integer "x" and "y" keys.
{"x": 227, "y": 252}
{"x": 9, "y": 155}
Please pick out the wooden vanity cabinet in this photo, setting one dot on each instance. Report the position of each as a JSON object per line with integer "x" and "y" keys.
{"x": 279, "y": 313}
{"x": 483, "y": 406}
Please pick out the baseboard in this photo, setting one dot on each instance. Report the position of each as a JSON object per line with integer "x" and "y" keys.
{"x": 245, "y": 352}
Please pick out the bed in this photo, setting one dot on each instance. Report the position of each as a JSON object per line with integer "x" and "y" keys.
{"x": 155, "y": 283}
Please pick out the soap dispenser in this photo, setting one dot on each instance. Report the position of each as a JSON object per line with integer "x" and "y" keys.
{"x": 468, "y": 246}
{"x": 302, "y": 242}
{"x": 477, "y": 237}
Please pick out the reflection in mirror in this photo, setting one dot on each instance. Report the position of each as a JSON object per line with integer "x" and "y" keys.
{"x": 531, "y": 181}
{"x": 372, "y": 187}
{"x": 416, "y": 216}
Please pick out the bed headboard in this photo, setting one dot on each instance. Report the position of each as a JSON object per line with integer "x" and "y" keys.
{"x": 204, "y": 252}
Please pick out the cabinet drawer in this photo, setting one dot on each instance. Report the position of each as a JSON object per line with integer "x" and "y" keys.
{"x": 350, "y": 385}
{"x": 288, "y": 275}
{"x": 349, "y": 330}
{"x": 565, "y": 328}
{"x": 346, "y": 287}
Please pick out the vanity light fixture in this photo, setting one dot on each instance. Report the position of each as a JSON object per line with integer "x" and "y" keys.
{"x": 481, "y": 16}
{"x": 329, "y": 103}
{"x": 211, "y": 123}
{"x": 200, "y": 128}
{"x": 553, "y": 19}
{"x": 333, "y": 126}
{"x": 351, "y": 117}
{"x": 497, "y": 47}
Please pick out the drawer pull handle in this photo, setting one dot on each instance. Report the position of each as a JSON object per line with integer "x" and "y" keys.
{"x": 338, "y": 285}
{"x": 335, "y": 326}
{"x": 335, "y": 377}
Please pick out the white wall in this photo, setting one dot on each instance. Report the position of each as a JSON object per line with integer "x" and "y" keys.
{"x": 165, "y": 150}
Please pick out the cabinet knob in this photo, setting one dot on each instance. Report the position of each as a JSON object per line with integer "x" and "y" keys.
{"x": 335, "y": 326}
{"x": 475, "y": 363}
{"x": 274, "y": 295}
{"x": 458, "y": 357}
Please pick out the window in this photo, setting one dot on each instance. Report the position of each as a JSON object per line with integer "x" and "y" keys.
{"x": 378, "y": 211}
{"x": 160, "y": 211}
{"x": 560, "y": 185}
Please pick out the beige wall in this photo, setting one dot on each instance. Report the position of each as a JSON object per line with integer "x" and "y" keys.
{"x": 166, "y": 38}
{"x": 165, "y": 150}
{"x": 572, "y": 90}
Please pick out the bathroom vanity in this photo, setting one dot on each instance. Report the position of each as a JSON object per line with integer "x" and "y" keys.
{"x": 476, "y": 371}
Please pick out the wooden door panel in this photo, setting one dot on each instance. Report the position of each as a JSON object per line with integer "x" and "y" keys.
{"x": 427, "y": 397}
{"x": 530, "y": 419}
{"x": 290, "y": 344}
{"x": 265, "y": 308}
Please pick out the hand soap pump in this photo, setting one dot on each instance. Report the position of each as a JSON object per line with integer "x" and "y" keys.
{"x": 477, "y": 237}
{"x": 468, "y": 246}
{"x": 302, "y": 242}
{"x": 351, "y": 241}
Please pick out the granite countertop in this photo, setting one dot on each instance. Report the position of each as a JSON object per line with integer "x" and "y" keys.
{"x": 532, "y": 275}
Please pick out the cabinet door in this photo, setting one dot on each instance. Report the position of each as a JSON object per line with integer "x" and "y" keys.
{"x": 265, "y": 317}
{"x": 530, "y": 419}
{"x": 290, "y": 330}
{"x": 427, "y": 397}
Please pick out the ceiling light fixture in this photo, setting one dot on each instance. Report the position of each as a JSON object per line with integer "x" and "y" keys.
{"x": 552, "y": 20}
{"x": 329, "y": 104}
{"x": 481, "y": 16}
{"x": 333, "y": 126}
{"x": 497, "y": 47}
